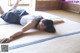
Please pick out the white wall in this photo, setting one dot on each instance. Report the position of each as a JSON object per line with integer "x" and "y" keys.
{"x": 4, "y": 4}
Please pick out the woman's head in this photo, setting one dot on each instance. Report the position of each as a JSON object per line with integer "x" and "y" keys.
{"x": 46, "y": 25}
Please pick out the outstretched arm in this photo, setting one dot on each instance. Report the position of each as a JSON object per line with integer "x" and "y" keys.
{"x": 28, "y": 26}
{"x": 58, "y": 21}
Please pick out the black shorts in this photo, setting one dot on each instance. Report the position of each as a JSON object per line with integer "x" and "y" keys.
{"x": 13, "y": 16}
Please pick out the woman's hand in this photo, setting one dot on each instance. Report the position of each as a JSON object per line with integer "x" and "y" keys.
{"x": 5, "y": 40}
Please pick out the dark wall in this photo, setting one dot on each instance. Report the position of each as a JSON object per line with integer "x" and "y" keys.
{"x": 71, "y": 7}
{"x": 47, "y": 4}
{"x": 56, "y": 4}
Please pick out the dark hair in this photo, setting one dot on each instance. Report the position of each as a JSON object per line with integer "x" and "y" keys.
{"x": 49, "y": 25}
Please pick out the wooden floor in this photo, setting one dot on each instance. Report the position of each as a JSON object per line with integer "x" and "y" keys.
{"x": 66, "y": 14}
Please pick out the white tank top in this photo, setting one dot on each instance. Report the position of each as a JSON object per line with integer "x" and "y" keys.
{"x": 27, "y": 18}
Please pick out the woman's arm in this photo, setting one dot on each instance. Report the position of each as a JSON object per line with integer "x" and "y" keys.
{"x": 28, "y": 26}
{"x": 58, "y": 21}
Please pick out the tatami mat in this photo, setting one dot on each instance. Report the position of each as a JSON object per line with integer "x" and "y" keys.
{"x": 33, "y": 35}
{"x": 66, "y": 14}
{"x": 68, "y": 44}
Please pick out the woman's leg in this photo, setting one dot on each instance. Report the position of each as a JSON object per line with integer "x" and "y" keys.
{"x": 14, "y": 7}
{"x": 16, "y": 4}
{"x": 1, "y": 10}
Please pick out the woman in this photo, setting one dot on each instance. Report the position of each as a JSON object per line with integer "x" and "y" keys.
{"x": 29, "y": 21}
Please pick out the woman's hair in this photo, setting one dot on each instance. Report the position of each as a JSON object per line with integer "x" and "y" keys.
{"x": 49, "y": 25}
